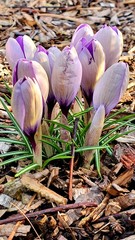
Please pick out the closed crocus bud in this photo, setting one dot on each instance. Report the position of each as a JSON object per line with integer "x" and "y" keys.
{"x": 111, "y": 86}
{"x": 27, "y": 106}
{"x": 93, "y": 134}
{"x": 66, "y": 77}
{"x": 82, "y": 31}
{"x": 112, "y": 41}
{"x": 21, "y": 47}
{"x": 53, "y": 53}
{"x": 93, "y": 65}
{"x": 47, "y": 58}
{"x": 33, "y": 70}
{"x": 41, "y": 56}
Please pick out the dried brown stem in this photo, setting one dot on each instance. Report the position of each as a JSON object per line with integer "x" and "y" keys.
{"x": 19, "y": 217}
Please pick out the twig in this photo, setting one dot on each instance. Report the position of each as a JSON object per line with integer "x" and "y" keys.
{"x": 116, "y": 215}
{"x": 19, "y": 217}
{"x": 72, "y": 160}
{"x": 74, "y": 19}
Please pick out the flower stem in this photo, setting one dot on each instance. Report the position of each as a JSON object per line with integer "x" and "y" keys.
{"x": 37, "y": 151}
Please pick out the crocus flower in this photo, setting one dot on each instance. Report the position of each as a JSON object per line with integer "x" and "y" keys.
{"x": 41, "y": 56}
{"x": 27, "y": 106}
{"x": 47, "y": 58}
{"x": 33, "y": 70}
{"x": 53, "y": 53}
{"x": 93, "y": 134}
{"x": 82, "y": 31}
{"x": 93, "y": 65}
{"x": 111, "y": 86}
{"x": 107, "y": 94}
{"x": 112, "y": 41}
{"x": 66, "y": 78}
{"x": 21, "y": 47}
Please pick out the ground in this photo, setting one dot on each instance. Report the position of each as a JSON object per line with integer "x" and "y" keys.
{"x": 37, "y": 205}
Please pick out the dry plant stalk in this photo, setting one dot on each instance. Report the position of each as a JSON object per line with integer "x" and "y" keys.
{"x": 29, "y": 182}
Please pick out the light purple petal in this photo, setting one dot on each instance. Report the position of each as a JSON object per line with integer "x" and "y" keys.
{"x": 111, "y": 87}
{"x": 82, "y": 31}
{"x": 93, "y": 65}
{"x": 93, "y": 134}
{"x": 53, "y": 53}
{"x": 33, "y": 70}
{"x": 42, "y": 58}
{"x": 27, "y": 105}
{"x": 20, "y": 41}
{"x": 41, "y": 49}
{"x": 66, "y": 76}
{"x": 13, "y": 52}
{"x": 112, "y": 41}
{"x": 33, "y": 105}
{"x": 17, "y": 104}
{"x": 29, "y": 47}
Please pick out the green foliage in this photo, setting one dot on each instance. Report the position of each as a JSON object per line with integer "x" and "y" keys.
{"x": 61, "y": 149}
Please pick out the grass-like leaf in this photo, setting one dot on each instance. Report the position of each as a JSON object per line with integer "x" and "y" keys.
{"x": 25, "y": 141}
{"x": 7, "y": 87}
{"x": 8, "y": 132}
{"x": 12, "y": 153}
{"x": 97, "y": 161}
{"x": 11, "y": 160}
{"x": 105, "y": 139}
{"x": 58, "y": 124}
{"x": 32, "y": 166}
{"x": 52, "y": 144}
{"x": 11, "y": 141}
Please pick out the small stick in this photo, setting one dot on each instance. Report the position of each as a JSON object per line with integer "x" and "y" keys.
{"x": 72, "y": 160}
{"x": 49, "y": 210}
{"x": 116, "y": 215}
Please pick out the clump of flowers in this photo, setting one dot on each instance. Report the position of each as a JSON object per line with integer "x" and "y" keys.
{"x": 43, "y": 77}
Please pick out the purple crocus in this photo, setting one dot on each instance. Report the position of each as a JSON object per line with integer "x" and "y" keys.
{"x": 108, "y": 91}
{"x": 21, "y": 47}
{"x": 27, "y": 106}
{"x": 41, "y": 56}
{"x": 53, "y": 53}
{"x": 93, "y": 134}
{"x": 47, "y": 58}
{"x": 93, "y": 65}
{"x": 112, "y": 41}
{"x": 66, "y": 78}
{"x": 111, "y": 86}
{"x": 82, "y": 31}
{"x": 33, "y": 70}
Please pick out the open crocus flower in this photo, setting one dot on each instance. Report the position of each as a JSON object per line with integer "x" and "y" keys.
{"x": 112, "y": 41}
{"x": 82, "y": 31}
{"x": 27, "y": 106}
{"x": 66, "y": 78}
{"x": 21, "y": 47}
{"x": 111, "y": 86}
{"x": 33, "y": 70}
{"x": 93, "y": 65}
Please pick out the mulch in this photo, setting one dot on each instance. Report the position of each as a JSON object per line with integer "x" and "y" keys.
{"x": 36, "y": 205}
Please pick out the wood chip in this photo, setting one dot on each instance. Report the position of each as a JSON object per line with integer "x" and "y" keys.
{"x": 29, "y": 182}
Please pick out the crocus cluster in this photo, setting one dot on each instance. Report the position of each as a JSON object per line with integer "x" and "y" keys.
{"x": 43, "y": 77}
